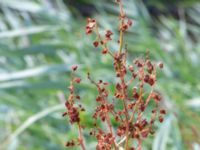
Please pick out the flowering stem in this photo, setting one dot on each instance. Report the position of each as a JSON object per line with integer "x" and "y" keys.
{"x": 139, "y": 145}
{"x": 80, "y": 138}
{"x": 122, "y": 77}
{"x": 121, "y": 41}
{"x": 110, "y": 129}
{"x": 124, "y": 91}
{"x": 152, "y": 88}
{"x": 120, "y": 27}
{"x": 126, "y": 113}
{"x": 100, "y": 39}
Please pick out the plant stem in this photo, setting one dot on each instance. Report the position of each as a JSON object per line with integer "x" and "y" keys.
{"x": 110, "y": 129}
{"x": 139, "y": 145}
{"x": 100, "y": 39}
{"x": 123, "y": 82}
{"x": 120, "y": 27}
{"x": 121, "y": 41}
{"x": 126, "y": 112}
{"x": 80, "y": 137}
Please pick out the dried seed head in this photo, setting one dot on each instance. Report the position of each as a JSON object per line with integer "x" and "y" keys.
{"x": 151, "y": 81}
{"x": 134, "y": 104}
{"x": 155, "y": 96}
{"x": 130, "y": 68}
{"x": 90, "y": 25}
{"x": 160, "y": 65}
{"x": 74, "y": 67}
{"x": 129, "y": 22}
{"x": 135, "y": 93}
{"x": 145, "y": 133}
{"x": 100, "y": 81}
{"x": 104, "y": 51}
{"x": 95, "y": 43}
{"x": 146, "y": 78}
{"x": 153, "y": 111}
{"x": 71, "y": 89}
{"x": 161, "y": 119}
{"x": 78, "y": 97}
{"x": 108, "y": 34}
{"x": 77, "y": 80}
{"x": 162, "y": 111}
{"x": 64, "y": 114}
{"x": 88, "y": 30}
{"x": 124, "y": 27}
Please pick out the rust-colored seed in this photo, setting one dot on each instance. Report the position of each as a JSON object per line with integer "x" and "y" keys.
{"x": 78, "y": 97}
{"x": 130, "y": 68}
{"x": 145, "y": 133}
{"x": 104, "y": 51}
{"x": 146, "y": 78}
{"x": 74, "y": 67}
{"x": 151, "y": 81}
{"x": 129, "y": 22}
{"x": 95, "y": 43}
{"x": 160, "y": 65}
{"x": 98, "y": 98}
{"x": 77, "y": 80}
{"x": 162, "y": 111}
{"x": 64, "y": 114}
{"x": 161, "y": 119}
{"x": 153, "y": 111}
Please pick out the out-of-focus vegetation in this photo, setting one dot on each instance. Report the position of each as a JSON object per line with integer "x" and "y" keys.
{"x": 41, "y": 39}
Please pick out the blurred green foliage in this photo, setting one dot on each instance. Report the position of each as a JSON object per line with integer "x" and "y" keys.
{"x": 41, "y": 39}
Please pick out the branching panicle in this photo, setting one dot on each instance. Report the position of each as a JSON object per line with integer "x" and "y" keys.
{"x": 130, "y": 119}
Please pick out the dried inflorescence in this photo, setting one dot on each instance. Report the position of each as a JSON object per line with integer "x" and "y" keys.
{"x": 73, "y": 111}
{"x": 132, "y": 82}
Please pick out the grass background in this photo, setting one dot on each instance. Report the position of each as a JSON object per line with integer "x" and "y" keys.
{"x": 41, "y": 39}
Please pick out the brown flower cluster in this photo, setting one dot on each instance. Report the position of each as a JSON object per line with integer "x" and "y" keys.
{"x": 73, "y": 111}
{"x": 134, "y": 91}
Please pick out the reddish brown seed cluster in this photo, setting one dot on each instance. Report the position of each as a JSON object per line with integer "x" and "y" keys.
{"x": 128, "y": 105}
{"x": 74, "y": 67}
{"x": 95, "y": 43}
{"x": 90, "y": 25}
{"x": 100, "y": 40}
{"x": 72, "y": 110}
{"x": 70, "y": 143}
{"x": 104, "y": 51}
{"x": 126, "y": 25}
{"x": 104, "y": 140}
{"x": 108, "y": 35}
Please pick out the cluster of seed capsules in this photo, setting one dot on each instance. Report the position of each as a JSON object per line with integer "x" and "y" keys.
{"x": 134, "y": 91}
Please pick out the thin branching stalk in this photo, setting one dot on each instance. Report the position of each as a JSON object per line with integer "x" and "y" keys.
{"x": 131, "y": 124}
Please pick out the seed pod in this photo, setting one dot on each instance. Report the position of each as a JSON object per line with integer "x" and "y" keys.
{"x": 160, "y": 65}
{"x": 95, "y": 43}
{"x": 162, "y": 111}
{"x": 161, "y": 119}
{"x": 104, "y": 51}
{"x": 129, "y": 22}
{"x": 74, "y": 67}
{"x": 77, "y": 80}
